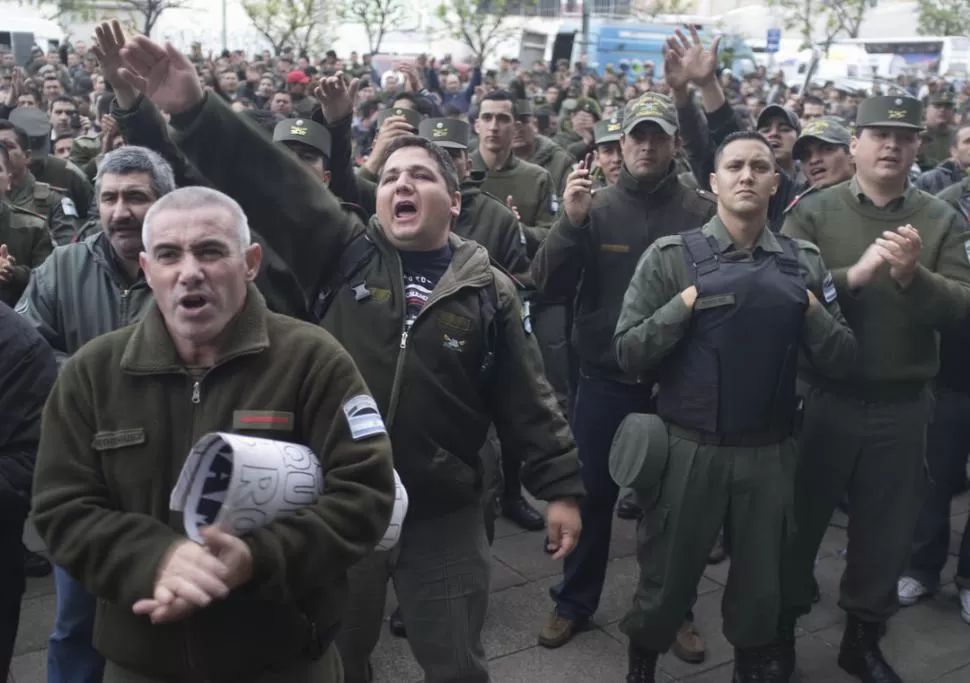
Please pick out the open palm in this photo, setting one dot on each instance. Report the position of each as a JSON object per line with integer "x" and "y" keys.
{"x": 163, "y": 74}
{"x": 691, "y": 61}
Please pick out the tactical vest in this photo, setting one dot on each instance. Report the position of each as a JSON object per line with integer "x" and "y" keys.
{"x": 734, "y": 373}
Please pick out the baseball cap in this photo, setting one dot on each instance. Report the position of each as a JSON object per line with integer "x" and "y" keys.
{"x": 448, "y": 133}
{"x": 608, "y": 130}
{"x": 651, "y": 107}
{"x": 773, "y": 111}
{"x": 824, "y": 129}
{"x": 890, "y": 111}
{"x": 297, "y": 77}
{"x": 306, "y": 131}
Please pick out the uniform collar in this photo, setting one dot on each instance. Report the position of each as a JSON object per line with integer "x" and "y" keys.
{"x": 150, "y": 350}
{"x": 478, "y": 163}
{"x": 766, "y": 241}
{"x": 895, "y": 205}
{"x": 658, "y": 189}
{"x": 24, "y": 189}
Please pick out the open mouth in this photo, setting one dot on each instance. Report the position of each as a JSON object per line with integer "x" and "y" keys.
{"x": 889, "y": 160}
{"x": 405, "y": 209}
{"x": 817, "y": 172}
{"x": 193, "y": 302}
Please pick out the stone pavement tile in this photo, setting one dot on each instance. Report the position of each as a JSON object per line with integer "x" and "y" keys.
{"x": 923, "y": 642}
{"x": 590, "y": 656}
{"x": 505, "y": 528}
{"x": 958, "y": 522}
{"x": 826, "y": 611}
{"x": 30, "y": 668}
{"x": 504, "y": 576}
{"x": 523, "y": 553}
{"x": 961, "y": 675}
{"x": 960, "y": 504}
{"x": 816, "y": 662}
{"x": 36, "y": 620}
{"x": 718, "y": 573}
{"x": 39, "y": 587}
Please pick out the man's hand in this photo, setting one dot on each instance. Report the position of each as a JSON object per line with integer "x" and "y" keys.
{"x": 563, "y": 525}
{"x": 510, "y": 202}
{"x": 691, "y": 62}
{"x": 336, "y": 98}
{"x": 393, "y": 127}
{"x": 162, "y": 74}
{"x": 862, "y": 272}
{"x": 689, "y": 296}
{"x": 812, "y": 300}
{"x": 578, "y": 195}
{"x": 189, "y": 578}
{"x": 16, "y": 87}
{"x": 232, "y": 552}
{"x": 108, "y": 129}
{"x": 7, "y": 263}
{"x": 901, "y": 250}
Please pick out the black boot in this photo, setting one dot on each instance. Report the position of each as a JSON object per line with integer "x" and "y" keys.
{"x": 747, "y": 665}
{"x": 36, "y": 566}
{"x": 642, "y": 665}
{"x": 627, "y": 508}
{"x": 860, "y": 654}
{"x": 778, "y": 660}
{"x": 524, "y": 515}
{"x": 396, "y": 624}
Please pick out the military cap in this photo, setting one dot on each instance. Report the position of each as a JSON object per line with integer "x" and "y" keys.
{"x": 448, "y": 133}
{"x": 778, "y": 111}
{"x": 590, "y": 106}
{"x": 608, "y": 130}
{"x": 413, "y": 117}
{"x": 568, "y": 106}
{"x": 651, "y": 107}
{"x": 306, "y": 131}
{"x": 890, "y": 110}
{"x": 524, "y": 108}
{"x": 37, "y": 126}
{"x": 825, "y": 129}
{"x": 943, "y": 99}
{"x": 639, "y": 452}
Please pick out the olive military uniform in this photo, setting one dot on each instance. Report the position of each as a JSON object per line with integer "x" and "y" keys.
{"x": 606, "y": 132}
{"x": 958, "y": 196}
{"x": 727, "y": 396}
{"x": 935, "y": 147}
{"x": 865, "y": 434}
{"x": 27, "y": 240}
{"x": 40, "y": 198}
{"x": 571, "y": 141}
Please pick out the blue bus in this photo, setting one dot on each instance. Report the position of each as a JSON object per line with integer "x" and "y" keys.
{"x": 611, "y": 44}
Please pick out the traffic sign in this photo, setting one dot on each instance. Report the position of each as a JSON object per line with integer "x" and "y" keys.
{"x": 773, "y": 42}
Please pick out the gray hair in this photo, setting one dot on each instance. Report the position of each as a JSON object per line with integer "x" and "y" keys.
{"x": 199, "y": 197}
{"x": 131, "y": 159}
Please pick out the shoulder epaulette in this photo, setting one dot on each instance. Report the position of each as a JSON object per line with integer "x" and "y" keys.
{"x": 704, "y": 194}
{"x": 810, "y": 190}
{"x": 27, "y": 212}
{"x": 669, "y": 241}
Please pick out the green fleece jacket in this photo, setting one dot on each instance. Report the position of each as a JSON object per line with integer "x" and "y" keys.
{"x": 117, "y": 429}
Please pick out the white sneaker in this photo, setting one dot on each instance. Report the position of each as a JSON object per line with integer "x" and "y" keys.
{"x": 910, "y": 591}
{"x": 965, "y": 604}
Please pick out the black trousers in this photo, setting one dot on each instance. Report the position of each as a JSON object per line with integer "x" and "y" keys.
{"x": 12, "y": 585}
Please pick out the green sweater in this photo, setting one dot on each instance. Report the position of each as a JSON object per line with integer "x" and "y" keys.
{"x": 896, "y": 329}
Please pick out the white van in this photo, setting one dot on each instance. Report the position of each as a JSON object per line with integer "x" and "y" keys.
{"x": 22, "y": 32}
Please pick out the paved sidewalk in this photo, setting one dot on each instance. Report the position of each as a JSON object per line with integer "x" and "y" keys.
{"x": 928, "y": 643}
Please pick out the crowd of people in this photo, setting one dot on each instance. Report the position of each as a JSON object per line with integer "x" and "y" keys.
{"x": 739, "y": 304}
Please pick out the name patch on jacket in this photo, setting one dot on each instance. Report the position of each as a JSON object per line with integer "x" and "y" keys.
{"x": 714, "y": 301}
{"x": 615, "y": 248}
{"x": 275, "y": 420}
{"x": 108, "y": 441}
{"x": 828, "y": 288}
{"x": 363, "y": 417}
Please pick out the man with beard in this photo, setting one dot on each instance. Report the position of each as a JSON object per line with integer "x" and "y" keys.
{"x": 954, "y": 169}
{"x": 540, "y": 150}
{"x": 823, "y": 151}
{"x": 590, "y": 256}
{"x": 82, "y": 291}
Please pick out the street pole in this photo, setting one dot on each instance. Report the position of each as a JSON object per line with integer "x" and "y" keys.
{"x": 225, "y": 32}
{"x": 585, "y": 29}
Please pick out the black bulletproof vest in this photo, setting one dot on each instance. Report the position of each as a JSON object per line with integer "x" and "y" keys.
{"x": 734, "y": 373}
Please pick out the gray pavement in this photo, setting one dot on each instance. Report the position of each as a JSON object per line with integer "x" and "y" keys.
{"x": 928, "y": 643}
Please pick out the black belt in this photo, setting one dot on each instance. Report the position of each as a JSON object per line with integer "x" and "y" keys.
{"x": 734, "y": 440}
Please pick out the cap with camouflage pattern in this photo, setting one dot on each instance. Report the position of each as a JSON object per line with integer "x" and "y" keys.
{"x": 447, "y": 133}
{"x": 825, "y": 129}
{"x": 306, "y": 131}
{"x": 651, "y": 107}
{"x": 890, "y": 111}
{"x": 413, "y": 117}
{"x": 590, "y": 106}
{"x": 608, "y": 130}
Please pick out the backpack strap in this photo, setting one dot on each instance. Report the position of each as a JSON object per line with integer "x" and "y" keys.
{"x": 701, "y": 257}
{"x": 354, "y": 257}
{"x": 788, "y": 260}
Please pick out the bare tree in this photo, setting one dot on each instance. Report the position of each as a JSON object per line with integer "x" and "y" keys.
{"x": 284, "y": 22}
{"x": 376, "y": 16}
{"x": 837, "y": 18}
{"x": 480, "y": 24}
{"x": 140, "y": 15}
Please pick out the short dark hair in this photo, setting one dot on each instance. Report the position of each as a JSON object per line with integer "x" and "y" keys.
{"x": 955, "y": 133}
{"x": 446, "y": 164}
{"x": 367, "y": 108}
{"x": 23, "y": 140}
{"x": 813, "y": 99}
{"x": 264, "y": 119}
{"x": 63, "y": 98}
{"x": 65, "y": 136}
{"x": 738, "y": 136}
{"x": 420, "y": 104}
{"x": 501, "y": 96}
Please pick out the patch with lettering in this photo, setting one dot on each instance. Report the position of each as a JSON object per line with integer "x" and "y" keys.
{"x": 381, "y": 295}
{"x": 714, "y": 301}
{"x": 123, "y": 438}
{"x": 363, "y": 417}
{"x": 615, "y": 248}
{"x": 67, "y": 204}
{"x": 272, "y": 420}
{"x": 554, "y": 203}
{"x": 828, "y": 285}
{"x": 449, "y": 322}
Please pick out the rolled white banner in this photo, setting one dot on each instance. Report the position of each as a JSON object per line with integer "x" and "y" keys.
{"x": 241, "y": 483}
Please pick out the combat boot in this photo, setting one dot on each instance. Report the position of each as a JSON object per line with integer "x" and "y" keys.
{"x": 642, "y": 665}
{"x": 860, "y": 654}
{"x": 747, "y": 665}
{"x": 778, "y": 660}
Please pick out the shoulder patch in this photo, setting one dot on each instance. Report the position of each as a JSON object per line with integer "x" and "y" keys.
{"x": 363, "y": 417}
{"x": 67, "y": 205}
{"x": 704, "y": 194}
{"x": 828, "y": 288}
{"x": 669, "y": 241}
{"x": 794, "y": 202}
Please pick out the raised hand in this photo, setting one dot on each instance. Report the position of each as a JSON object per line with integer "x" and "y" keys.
{"x": 692, "y": 62}
{"x": 336, "y": 98}
{"x": 578, "y": 195}
{"x": 162, "y": 74}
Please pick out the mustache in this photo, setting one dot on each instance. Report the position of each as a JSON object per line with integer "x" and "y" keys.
{"x": 124, "y": 224}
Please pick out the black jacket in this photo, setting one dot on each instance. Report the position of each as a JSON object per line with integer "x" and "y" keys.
{"x": 938, "y": 179}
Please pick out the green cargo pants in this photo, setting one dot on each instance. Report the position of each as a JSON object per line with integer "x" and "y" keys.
{"x": 748, "y": 489}
{"x": 875, "y": 451}
{"x": 327, "y": 669}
